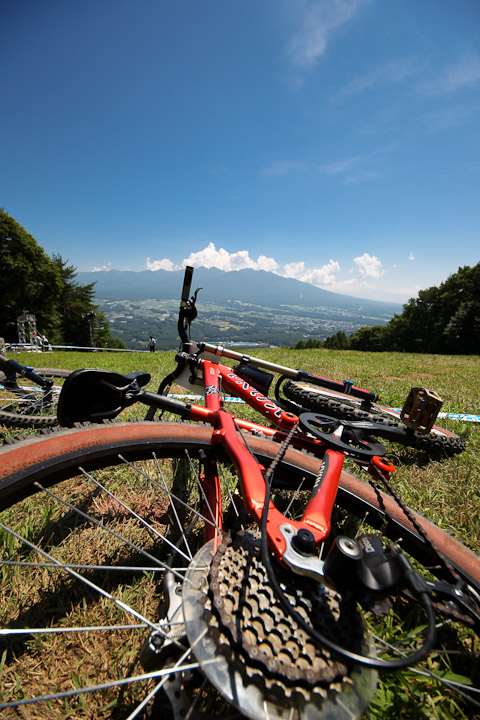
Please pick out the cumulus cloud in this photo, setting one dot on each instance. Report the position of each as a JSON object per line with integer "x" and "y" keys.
{"x": 324, "y": 276}
{"x": 164, "y": 264}
{"x": 223, "y": 260}
{"x": 368, "y": 266}
{"x": 98, "y": 268}
{"x": 331, "y": 276}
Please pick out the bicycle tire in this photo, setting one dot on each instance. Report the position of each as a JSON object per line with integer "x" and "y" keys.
{"x": 30, "y": 412}
{"x": 54, "y": 459}
{"x": 439, "y": 441}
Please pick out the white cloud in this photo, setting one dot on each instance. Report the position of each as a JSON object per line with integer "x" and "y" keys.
{"x": 316, "y": 20}
{"x": 99, "y": 268}
{"x": 368, "y": 266}
{"x": 321, "y": 277}
{"x": 222, "y": 259}
{"x": 211, "y": 257}
{"x": 164, "y": 264}
{"x": 411, "y": 256}
{"x": 360, "y": 278}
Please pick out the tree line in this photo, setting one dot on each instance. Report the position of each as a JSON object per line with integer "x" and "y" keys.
{"x": 33, "y": 283}
{"x": 443, "y": 319}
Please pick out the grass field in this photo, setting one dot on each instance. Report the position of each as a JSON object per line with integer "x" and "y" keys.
{"x": 446, "y": 489}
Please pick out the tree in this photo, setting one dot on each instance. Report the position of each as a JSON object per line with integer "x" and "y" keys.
{"x": 33, "y": 283}
{"x": 444, "y": 319}
{"x": 338, "y": 341}
{"x": 370, "y": 338}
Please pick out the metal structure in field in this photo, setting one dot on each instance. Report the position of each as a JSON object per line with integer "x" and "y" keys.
{"x": 27, "y": 329}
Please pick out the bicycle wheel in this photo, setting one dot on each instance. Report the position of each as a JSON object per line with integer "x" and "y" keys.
{"x": 23, "y": 404}
{"x": 344, "y": 407}
{"x": 99, "y": 525}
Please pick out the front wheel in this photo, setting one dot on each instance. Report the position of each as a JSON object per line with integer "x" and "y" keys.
{"x": 25, "y": 405}
{"x": 343, "y": 407}
{"x": 111, "y": 599}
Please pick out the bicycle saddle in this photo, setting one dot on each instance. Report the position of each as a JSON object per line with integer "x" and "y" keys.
{"x": 94, "y": 395}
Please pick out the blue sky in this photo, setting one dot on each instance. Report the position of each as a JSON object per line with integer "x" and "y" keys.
{"x": 333, "y": 141}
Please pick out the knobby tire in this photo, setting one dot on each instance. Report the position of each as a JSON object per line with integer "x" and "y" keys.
{"x": 122, "y": 455}
{"x": 439, "y": 441}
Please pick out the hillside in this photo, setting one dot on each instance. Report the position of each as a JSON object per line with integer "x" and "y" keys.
{"x": 236, "y": 307}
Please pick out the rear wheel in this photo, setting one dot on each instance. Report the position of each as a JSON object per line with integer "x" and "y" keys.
{"x": 23, "y": 404}
{"x": 101, "y": 526}
{"x": 344, "y": 407}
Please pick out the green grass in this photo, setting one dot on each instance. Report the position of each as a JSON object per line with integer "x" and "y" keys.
{"x": 447, "y": 489}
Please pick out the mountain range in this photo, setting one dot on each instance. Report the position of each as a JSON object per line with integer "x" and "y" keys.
{"x": 241, "y": 307}
{"x": 256, "y": 287}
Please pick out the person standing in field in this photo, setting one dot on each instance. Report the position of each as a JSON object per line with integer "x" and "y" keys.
{"x": 152, "y": 344}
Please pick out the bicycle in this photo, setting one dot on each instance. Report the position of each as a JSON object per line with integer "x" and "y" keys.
{"x": 28, "y": 396}
{"x": 194, "y": 503}
{"x": 413, "y": 426}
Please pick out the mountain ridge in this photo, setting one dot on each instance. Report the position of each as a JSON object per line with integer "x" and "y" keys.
{"x": 257, "y": 287}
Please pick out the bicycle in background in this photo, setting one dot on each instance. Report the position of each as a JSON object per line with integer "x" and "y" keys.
{"x": 28, "y": 396}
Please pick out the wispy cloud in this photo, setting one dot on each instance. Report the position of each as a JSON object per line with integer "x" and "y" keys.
{"x": 449, "y": 117}
{"x": 392, "y": 72}
{"x": 316, "y": 20}
{"x": 340, "y": 167}
{"x": 463, "y": 73}
{"x": 352, "y": 169}
{"x": 286, "y": 167}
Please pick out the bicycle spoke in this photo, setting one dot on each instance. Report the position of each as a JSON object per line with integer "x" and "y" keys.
{"x": 82, "y": 578}
{"x": 103, "y": 686}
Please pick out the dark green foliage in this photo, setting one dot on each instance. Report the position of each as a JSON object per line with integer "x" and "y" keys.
{"x": 369, "y": 338}
{"x": 444, "y": 319}
{"x": 33, "y": 283}
{"x": 308, "y": 344}
{"x": 338, "y": 341}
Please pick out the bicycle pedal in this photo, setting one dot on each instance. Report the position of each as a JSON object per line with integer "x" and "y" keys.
{"x": 421, "y": 409}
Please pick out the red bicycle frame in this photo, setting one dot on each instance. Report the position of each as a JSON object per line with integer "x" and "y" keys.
{"x": 317, "y": 513}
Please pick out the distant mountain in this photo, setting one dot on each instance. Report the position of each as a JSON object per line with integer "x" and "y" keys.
{"x": 255, "y": 287}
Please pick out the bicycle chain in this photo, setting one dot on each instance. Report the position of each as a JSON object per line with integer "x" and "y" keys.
{"x": 275, "y": 650}
{"x": 440, "y": 556}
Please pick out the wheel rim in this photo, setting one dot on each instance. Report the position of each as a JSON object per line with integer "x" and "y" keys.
{"x": 68, "y": 535}
{"x": 24, "y": 404}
